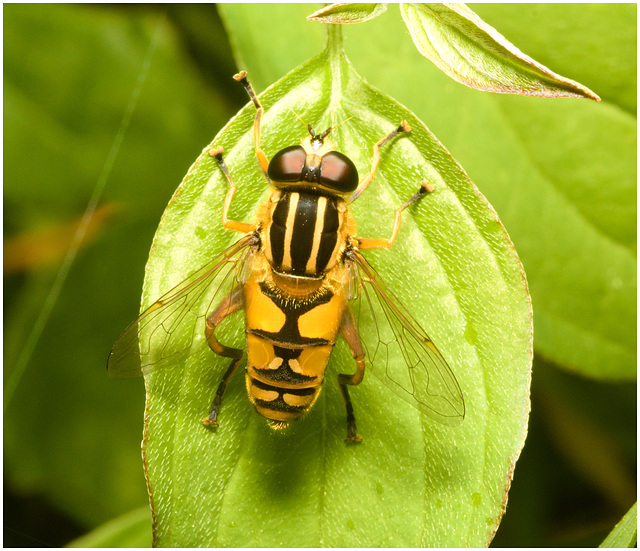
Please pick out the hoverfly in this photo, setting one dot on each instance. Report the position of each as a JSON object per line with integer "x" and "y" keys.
{"x": 301, "y": 280}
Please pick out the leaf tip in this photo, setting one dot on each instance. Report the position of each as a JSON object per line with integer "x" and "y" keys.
{"x": 591, "y": 95}
{"x": 345, "y": 13}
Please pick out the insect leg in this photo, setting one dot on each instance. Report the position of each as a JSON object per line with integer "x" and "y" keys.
{"x": 229, "y": 224}
{"x": 349, "y": 332}
{"x": 367, "y": 243}
{"x": 241, "y": 77}
{"x": 404, "y": 127}
{"x": 211, "y": 420}
{"x": 233, "y": 302}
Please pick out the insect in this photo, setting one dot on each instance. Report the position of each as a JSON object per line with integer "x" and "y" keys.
{"x": 301, "y": 280}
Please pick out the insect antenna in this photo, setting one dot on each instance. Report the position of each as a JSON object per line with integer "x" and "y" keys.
{"x": 326, "y": 132}
{"x": 309, "y": 127}
{"x": 331, "y": 128}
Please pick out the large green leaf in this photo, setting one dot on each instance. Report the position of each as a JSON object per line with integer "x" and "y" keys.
{"x": 560, "y": 173}
{"x": 412, "y": 482}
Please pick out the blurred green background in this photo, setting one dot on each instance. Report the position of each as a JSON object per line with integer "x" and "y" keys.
{"x": 72, "y": 436}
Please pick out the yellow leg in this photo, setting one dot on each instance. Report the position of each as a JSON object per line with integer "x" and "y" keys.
{"x": 243, "y": 227}
{"x": 241, "y": 77}
{"x": 404, "y": 127}
{"x": 375, "y": 243}
{"x": 233, "y": 302}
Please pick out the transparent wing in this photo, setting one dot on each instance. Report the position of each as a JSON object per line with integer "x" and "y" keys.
{"x": 398, "y": 350}
{"x": 163, "y": 334}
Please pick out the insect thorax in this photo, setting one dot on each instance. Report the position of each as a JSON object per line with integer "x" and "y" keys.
{"x": 304, "y": 232}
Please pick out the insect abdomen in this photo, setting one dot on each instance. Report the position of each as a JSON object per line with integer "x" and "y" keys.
{"x": 288, "y": 346}
{"x": 303, "y": 233}
{"x": 283, "y": 383}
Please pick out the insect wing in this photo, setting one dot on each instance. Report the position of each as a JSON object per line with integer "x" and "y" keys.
{"x": 423, "y": 378}
{"x": 163, "y": 334}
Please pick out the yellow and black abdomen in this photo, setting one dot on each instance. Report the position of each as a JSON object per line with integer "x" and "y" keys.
{"x": 302, "y": 234}
{"x": 288, "y": 346}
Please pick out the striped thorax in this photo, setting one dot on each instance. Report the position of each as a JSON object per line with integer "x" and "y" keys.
{"x": 303, "y": 233}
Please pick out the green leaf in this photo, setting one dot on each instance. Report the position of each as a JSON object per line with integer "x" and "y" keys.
{"x": 348, "y": 13}
{"x": 132, "y": 530}
{"x": 423, "y": 484}
{"x": 475, "y": 54}
{"x": 625, "y": 533}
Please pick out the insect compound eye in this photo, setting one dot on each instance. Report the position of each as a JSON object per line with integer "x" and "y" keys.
{"x": 338, "y": 172}
{"x": 287, "y": 164}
